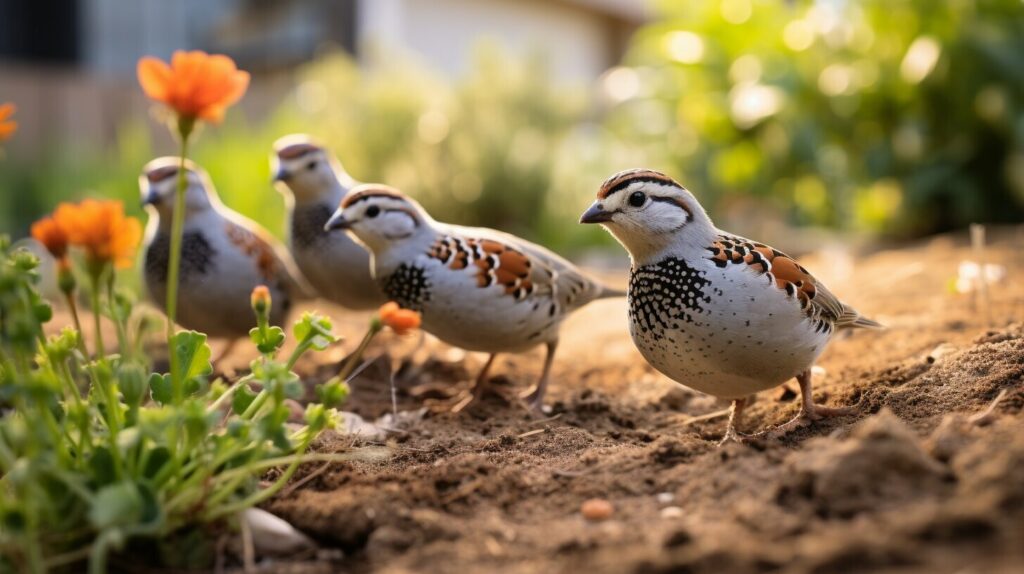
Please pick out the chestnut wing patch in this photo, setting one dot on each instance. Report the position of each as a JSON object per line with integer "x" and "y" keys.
{"x": 496, "y": 263}
{"x": 256, "y": 248}
{"x": 782, "y": 271}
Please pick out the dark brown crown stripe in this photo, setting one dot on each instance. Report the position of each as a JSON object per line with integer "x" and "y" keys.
{"x": 296, "y": 150}
{"x": 622, "y": 180}
{"x": 358, "y": 196}
{"x": 162, "y": 173}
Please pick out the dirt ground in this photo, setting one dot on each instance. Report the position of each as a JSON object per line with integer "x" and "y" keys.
{"x": 920, "y": 480}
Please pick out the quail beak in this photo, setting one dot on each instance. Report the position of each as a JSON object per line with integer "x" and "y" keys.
{"x": 282, "y": 175}
{"x": 152, "y": 198}
{"x": 337, "y": 221}
{"x": 596, "y": 214}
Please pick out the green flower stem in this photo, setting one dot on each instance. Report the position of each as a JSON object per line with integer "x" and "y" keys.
{"x": 94, "y": 298}
{"x": 70, "y": 298}
{"x": 261, "y": 495}
{"x": 353, "y": 359}
{"x": 122, "y": 334}
{"x": 256, "y": 404}
{"x": 228, "y": 393}
{"x": 174, "y": 265}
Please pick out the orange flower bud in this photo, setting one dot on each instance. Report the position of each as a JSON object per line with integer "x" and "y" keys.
{"x": 7, "y": 126}
{"x": 260, "y": 299}
{"x": 195, "y": 85}
{"x": 400, "y": 320}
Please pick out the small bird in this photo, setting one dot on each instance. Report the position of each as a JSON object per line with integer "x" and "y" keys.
{"x": 713, "y": 311}
{"x": 478, "y": 289}
{"x": 223, "y": 256}
{"x": 314, "y": 183}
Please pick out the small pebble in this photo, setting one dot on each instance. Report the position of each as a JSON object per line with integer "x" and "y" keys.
{"x": 597, "y": 509}
{"x": 671, "y": 512}
{"x": 665, "y": 497}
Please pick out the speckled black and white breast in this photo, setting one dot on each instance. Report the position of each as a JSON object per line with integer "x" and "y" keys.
{"x": 723, "y": 331}
{"x": 408, "y": 286}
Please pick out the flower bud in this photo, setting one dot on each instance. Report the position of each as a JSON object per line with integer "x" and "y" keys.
{"x": 65, "y": 278}
{"x": 261, "y": 300}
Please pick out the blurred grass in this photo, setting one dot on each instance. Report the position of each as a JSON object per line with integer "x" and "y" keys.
{"x": 898, "y": 118}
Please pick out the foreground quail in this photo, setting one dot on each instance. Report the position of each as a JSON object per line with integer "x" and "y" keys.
{"x": 223, "y": 257}
{"x": 314, "y": 182}
{"x": 478, "y": 289}
{"x": 713, "y": 311}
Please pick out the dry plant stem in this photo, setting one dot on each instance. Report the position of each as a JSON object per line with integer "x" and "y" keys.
{"x": 353, "y": 359}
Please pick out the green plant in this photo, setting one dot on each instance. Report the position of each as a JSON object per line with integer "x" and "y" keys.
{"x": 97, "y": 452}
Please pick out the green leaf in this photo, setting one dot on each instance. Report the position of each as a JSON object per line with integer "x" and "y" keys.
{"x": 162, "y": 391}
{"x": 118, "y": 504}
{"x": 332, "y": 393}
{"x": 101, "y": 466}
{"x": 158, "y": 457}
{"x": 193, "y": 354}
{"x": 269, "y": 340}
{"x": 160, "y": 388}
{"x": 243, "y": 397}
{"x": 316, "y": 329}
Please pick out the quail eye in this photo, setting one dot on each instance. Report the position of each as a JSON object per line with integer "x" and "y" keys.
{"x": 311, "y": 165}
{"x": 372, "y": 211}
{"x": 637, "y": 199}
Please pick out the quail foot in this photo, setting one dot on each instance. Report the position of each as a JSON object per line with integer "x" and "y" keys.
{"x": 314, "y": 183}
{"x": 713, "y": 311}
{"x": 223, "y": 256}
{"x": 478, "y": 289}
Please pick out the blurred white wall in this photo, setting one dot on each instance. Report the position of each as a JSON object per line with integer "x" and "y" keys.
{"x": 580, "y": 39}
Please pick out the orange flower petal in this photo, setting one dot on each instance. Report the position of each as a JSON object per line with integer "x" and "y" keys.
{"x": 7, "y": 110}
{"x": 155, "y": 78}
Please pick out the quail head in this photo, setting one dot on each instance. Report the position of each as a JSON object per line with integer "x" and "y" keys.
{"x": 314, "y": 182}
{"x": 478, "y": 289}
{"x": 223, "y": 256}
{"x": 714, "y": 311}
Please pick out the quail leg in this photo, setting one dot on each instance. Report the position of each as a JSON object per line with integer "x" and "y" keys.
{"x": 809, "y": 411}
{"x": 535, "y": 397}
{"x": 735, "y": 414}
{"x": 479, "y": 387}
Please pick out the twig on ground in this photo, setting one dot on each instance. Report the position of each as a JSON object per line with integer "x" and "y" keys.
{"x": 705, "y": 417}
{"x": 304, "y": 480}
{"x": 547, "y": 420}
{"x": 533, "y": 432}
{"x": 985, "y": 416}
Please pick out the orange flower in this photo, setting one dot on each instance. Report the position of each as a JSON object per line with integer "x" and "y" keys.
{"x": 400, "y": 320}
{"x": 101, "y": 228}
{"x": 48, "y": 232}
{"x": 7, "y": 126}
{"x": 195, "y": 84}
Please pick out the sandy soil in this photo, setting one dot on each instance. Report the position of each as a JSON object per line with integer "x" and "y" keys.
{"x": 917, "y": 481}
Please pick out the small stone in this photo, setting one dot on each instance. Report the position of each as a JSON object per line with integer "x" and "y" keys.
{"x": 597, "y": 509}
{"x": 665, "y": 497}
{"x": 671, "y": 512}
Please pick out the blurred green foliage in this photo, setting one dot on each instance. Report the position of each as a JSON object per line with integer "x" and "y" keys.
{"x": 899, "y": 117}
